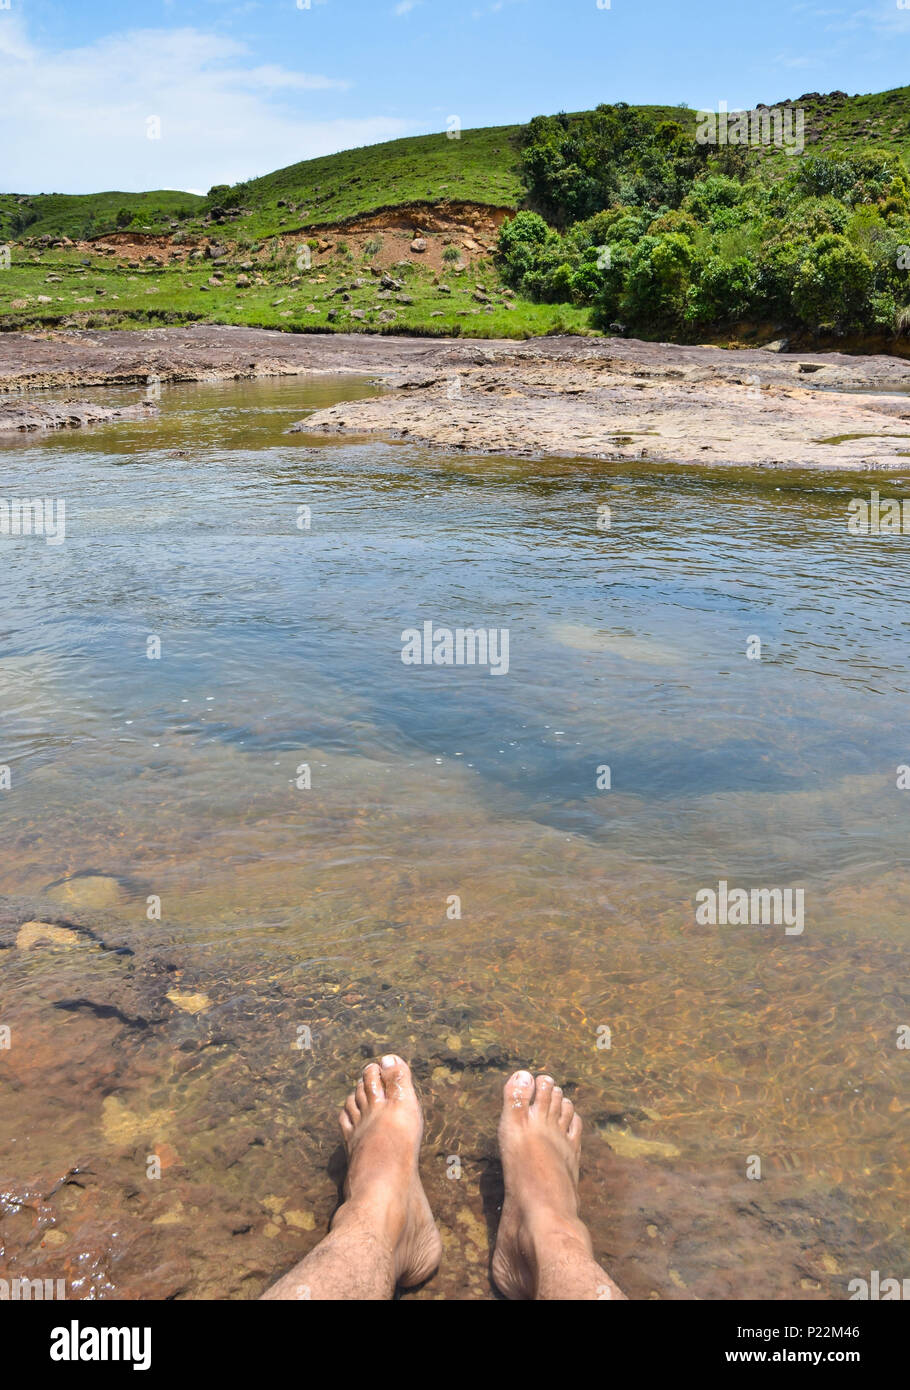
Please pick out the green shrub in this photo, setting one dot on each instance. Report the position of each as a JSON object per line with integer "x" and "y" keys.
{"x": 723, "y": 292}
{"x": 833, "y": 284}
{"x": 658, "y": 279}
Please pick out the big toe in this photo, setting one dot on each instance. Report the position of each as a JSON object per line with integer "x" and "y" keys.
{"x": 518, "y": 1093}
{"x": 370, "y": 1089}
{"x": 396, "y": 1077}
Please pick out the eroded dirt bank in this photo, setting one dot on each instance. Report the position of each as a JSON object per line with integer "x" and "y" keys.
{"x": 601, "y": 398}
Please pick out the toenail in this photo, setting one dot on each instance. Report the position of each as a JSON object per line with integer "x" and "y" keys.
{"x": 389, "y": 1061}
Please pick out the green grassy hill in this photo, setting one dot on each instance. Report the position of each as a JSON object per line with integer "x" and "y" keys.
{"x": 264, "y": 221}
{"x": 78, "y": 215}
{"x": 480, "y": 167}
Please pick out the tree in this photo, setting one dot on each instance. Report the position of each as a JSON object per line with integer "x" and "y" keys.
{"x": 833, "y": 284}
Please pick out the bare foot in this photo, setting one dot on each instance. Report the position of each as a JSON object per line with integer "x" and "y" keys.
{"x": 542, "y": 1249}
{"x": 382, "y": 1124}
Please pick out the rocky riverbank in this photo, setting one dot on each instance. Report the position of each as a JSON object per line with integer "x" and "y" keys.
{"x": 611, "y": 399}
{"x": 26, "y": 416}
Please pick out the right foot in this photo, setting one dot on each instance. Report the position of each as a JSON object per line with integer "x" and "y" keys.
{"x": 540, "y": 1145}
{"x": 382, "y": 1124}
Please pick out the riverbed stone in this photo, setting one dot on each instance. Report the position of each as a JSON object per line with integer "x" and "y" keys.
{"x": 197, "y": 1003}
{"x": 45, "y": 933}
{"x": 89, "y": 891}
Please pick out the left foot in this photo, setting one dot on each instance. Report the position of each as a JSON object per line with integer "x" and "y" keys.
{"x": 382, "y": 1124}
{"x": 540, "y": 1145}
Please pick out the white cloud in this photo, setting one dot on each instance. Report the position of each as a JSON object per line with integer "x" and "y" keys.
{"x": 76, "y": 121}
{"x": 406, "y": 6}
{"x": 886, "y": 18}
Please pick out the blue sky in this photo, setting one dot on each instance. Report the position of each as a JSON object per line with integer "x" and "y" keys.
{"x": 244, "y": 86}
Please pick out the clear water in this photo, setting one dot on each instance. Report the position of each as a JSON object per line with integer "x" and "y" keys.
{"x": 328, "y": 908}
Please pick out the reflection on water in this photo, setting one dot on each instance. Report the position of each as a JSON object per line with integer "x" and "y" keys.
{"x": 305, "y": 927}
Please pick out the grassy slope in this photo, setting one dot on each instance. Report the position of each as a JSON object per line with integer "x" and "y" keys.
{"x": 109, "y": 294}
{"x": 69, "y": 214}
{"x": 480, "y": 167}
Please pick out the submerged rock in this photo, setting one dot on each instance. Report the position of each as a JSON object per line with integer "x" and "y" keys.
{"x": 87, "y": 890}
{"x": 629, "y": 1145}
{"x": 189, "y": 1003}
{"x": 36, "y": 933}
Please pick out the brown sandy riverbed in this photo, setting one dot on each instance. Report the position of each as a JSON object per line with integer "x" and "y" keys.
{"x": 601, "y": 398}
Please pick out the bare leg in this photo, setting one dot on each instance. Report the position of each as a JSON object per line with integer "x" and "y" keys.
{"x": 383, "y": 1234}
{"x": 543, "y": 1251}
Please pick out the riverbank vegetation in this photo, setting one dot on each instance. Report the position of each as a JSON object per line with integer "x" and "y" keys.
{"x": 663, "y": 237}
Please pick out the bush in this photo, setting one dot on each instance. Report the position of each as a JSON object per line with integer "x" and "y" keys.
{"x": 724, "y": 291}
{"x": 682, "y": 222}
{"x": 521, "y": 248}
{"x": 711, "y": 194}
{"x": 833, "y": 284}
{"x": 659, "y": 275}
{"x": 603, "y": 286}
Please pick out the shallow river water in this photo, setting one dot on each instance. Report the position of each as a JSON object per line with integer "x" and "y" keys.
{"x": 271, "y": 849}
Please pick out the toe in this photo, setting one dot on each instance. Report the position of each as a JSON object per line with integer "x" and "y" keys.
{"x": 518, "y": 1091}
{"x": 555, "y": 1103}
{"x": 566, "y": 1112}
{"x": 372, "y": 1083}
{"x": 575, "y": 1129}
{"x": 543, "y": 1089}
{"x": 360, "y": 1098}
{"x": 347, "y": 1124}
{"x": 351, "y": 1109}
{"x": 396, "y": 1076}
